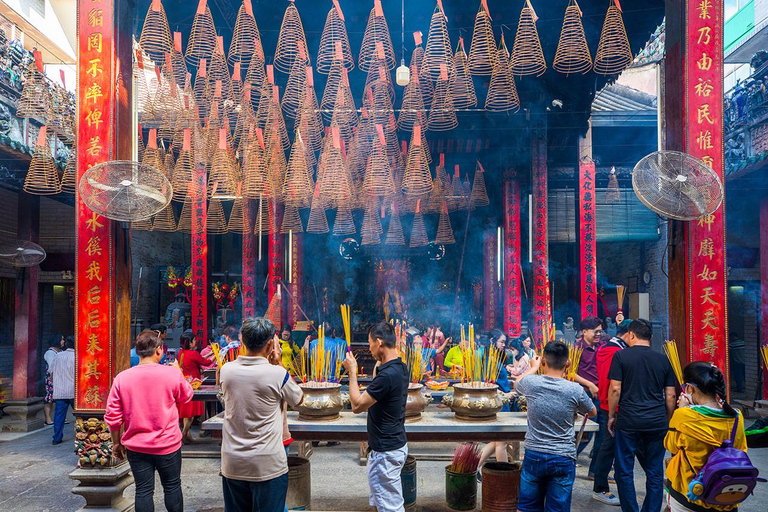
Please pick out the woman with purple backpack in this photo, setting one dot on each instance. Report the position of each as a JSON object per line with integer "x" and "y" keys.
{"x": 709, "y": 469}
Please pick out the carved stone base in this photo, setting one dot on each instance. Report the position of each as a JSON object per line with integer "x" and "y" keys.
{"x": 103, "y": 488}
{"x": 22, "y": 414}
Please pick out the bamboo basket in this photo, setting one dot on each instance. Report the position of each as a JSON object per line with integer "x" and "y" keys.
{"x": 438, "y": 50}
{"x": 165, "y": 221}
{"x": 479, "y": 195}
{"x": 291, "y": 220}
{"x": 572, "y": 55}
{"x": 215, "y": 221}
{"x": 461, "y": 88}
{"x": 613, "y": 51}
{"x": 444, "y": 234}
{"x": 527, "y": 55}
{"x": 155, "y": 38}
{"x": 335, "y": 30}
{"x": 42, "y": 178}
{"x": 246, "y": 38}
{"x": 291, "y": 40}
{"x": 442, "y": 116}
{"x": 482, "y": 51}
{"x": 376, "y": 31}
{"x": 502, "y": 93}
{"x": 202, "y": 36}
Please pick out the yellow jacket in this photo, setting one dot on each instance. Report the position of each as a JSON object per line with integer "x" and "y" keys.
{"x": 454, "y": 357}
{"x": 289, "y": 350}
{"x": 698, "y": 430}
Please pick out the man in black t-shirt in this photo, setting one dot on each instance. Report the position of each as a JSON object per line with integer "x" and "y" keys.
{"x": 384, "y": 399}
{"x": 642, "y": 386}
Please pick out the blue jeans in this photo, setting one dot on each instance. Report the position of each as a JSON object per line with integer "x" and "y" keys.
{"x": 546, "y": 482}
{"x": 60, "y": 416}
{"x": 244, "y": 496}
{"x": 648, "y": 447}
{"x": 601, "y": 422}
{"x": 168, "y": 467}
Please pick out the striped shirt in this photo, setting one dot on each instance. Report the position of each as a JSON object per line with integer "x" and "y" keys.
{"x": 63, "y": 370}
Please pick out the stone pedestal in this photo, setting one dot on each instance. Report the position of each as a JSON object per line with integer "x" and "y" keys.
{"x": 103, "y": 488}
{"x": 22, "y": 414}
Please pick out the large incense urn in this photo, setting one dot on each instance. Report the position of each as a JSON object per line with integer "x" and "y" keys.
{"x": 322, "y": 401}
{"x": 477, "y": 401}
{"x": 417, "y": 401}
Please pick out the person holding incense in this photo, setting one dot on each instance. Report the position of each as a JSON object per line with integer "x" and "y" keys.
{"x": 586, "y": 375}
{"x": 288, "y": 346}
{"x": 642, "y": 390}
{"x": 428, "y": 353}
{"x": 549, "y": 467}
{"x": 254, "y": 466}
{"x": 191, "y": 363}
{"x": 384, "y": 400}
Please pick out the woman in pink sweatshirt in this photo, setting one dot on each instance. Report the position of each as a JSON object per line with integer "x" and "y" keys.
{"x": 143, "y": 402}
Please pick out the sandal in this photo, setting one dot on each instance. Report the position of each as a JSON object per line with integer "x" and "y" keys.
{"x": 48, "y": 424}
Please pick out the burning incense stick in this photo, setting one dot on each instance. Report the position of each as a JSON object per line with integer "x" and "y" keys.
{"x": 670, "y": 349}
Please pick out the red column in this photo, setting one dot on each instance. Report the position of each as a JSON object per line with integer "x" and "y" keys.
{"x": 199, "y": 255}
{"x": 275, "y": 250}
{"x": 764, "y": 284}
{"x": 540, "y": 233}
{"x": 25, "y": 324}
{"x": 511, "y": 291}
{"x": 249, "y": 260}
{"x": 587, "y": 239}
{"x": 490, "y": 284}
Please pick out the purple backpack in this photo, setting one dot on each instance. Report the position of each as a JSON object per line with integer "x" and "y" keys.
{"x": 727, "y": 478}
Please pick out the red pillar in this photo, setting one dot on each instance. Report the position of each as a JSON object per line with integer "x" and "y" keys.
{"x": 512, "y": 268}
{"x": 764, "y": 284}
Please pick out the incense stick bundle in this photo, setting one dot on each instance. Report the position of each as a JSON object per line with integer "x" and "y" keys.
{"x": 670, "y": 350}
{"x": 574, "y": 354}
{"x": 621, "y": 292}
{"x": 345, "y": 318}
{"x": 466, "y": 458}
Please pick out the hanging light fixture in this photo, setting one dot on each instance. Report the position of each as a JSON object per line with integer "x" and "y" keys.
{"x": 403, "y": 73}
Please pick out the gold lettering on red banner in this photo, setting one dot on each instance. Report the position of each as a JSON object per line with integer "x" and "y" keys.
{"x": 512, "y": 269}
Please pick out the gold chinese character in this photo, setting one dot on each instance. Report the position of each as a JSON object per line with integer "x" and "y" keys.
{"x": 709, "y": 320}
{"x": 705, "y": 62}
{"x": 707, "y": 221}
{"x": 705, "y": 35}
{"x": 704, "y": 140}
{"x": 706, "y": 297}
{"x": 93, "y": 271}
{"x": 95, "y": 68}
{"x": 93, "y": 223}
{"x": 704, "y": 87}
{"x": 703, "y": 114}
{"x": 94, "y": 118}
{"x": 94, "y": 295}
{"x": 91, "y": 369}
{"x": 707, "y": 248}
{"x": 93, "y": 397}
{"x": 94, "y": 42}
{"x": 710, "y": 345}
{"x": 93, "y": 319}
{"x": 708, "y": 160}
{"x": 93, "y": 345}
{"x": 94, "y": 246}
{"x": 93, "y": 92}
{"x": 707, "y": 275}
{"x": 704, "y": 8}
{"x": 94, "y": 147}
{"x": 96, "y": 18}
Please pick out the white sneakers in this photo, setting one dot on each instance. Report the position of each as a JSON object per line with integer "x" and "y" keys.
{"x": 606, "y": 497}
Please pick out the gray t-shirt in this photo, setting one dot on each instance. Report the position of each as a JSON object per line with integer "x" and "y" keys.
{"x": 552, "y": 404}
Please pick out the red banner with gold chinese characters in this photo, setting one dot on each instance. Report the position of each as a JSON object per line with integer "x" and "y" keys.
{"x": 94, "y": 289}
{"x": 250, "y": 257}
{"x": 587, "y": 239}
{"x": 275, "y": 250}
{"x": 512, "y": 307}
{"x": 707, "y": 317}
{"x": 540, "y": 232}
{"x": 297, "y": 275}
{"x": 199, "y": 254}
{"x": 490, "y": 284}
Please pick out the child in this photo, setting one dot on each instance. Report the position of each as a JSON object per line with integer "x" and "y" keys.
{"x": 549, "y": 466}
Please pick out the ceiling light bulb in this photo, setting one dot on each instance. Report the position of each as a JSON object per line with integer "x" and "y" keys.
{"x": 403, "y": 74}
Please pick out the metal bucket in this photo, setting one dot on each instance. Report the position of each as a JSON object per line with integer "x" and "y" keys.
{"x": 501, "y": 486}
{"x": 299, "y": 483}
{"x": 460, "y": 490}
{"x": 408, "y": 480}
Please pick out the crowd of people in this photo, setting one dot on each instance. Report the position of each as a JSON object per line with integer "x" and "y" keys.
{"x": 624, "y": 385}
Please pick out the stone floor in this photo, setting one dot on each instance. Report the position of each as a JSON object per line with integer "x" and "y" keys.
{"x": 33, "y": 477}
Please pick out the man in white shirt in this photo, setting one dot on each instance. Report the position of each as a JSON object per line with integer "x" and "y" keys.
{"x": 254, "y": 466}
{"x": 63, "y": 372}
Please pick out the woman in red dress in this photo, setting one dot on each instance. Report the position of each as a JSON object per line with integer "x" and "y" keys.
{"x": 191, "y": 363}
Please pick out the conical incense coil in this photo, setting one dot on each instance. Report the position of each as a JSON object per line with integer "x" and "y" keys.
{"x": 255, "y": 170}
{"x": 417, "y": 180}
{"x": 479, "y": 195}
{"x": 152, "y": 156}
{"x": 376, "y": 31}
{"x": 246, "y": 39}
{"x": 215, "y": 221}
{"x": 289, "y": 41}
{"x": 178, "y": 66}
{"x": 462, "y": 88}
{"x": 444, "y": 234}
{"x": 155, "y": 38}
{"x": 344, "y": 223}
{"x": 200, "y": 88}
{"x": 335, "y": 30}
{"x": 527, "y": 55}
{"x": 140, "y": 87}
{"x": 222, "y": 179}
{"x": 35, "y": 96}
{"x": 436, "y": 198}
{"x": 613, "y": 52}
{"x": 263, "y": 220}
{"x": 291, "y": 220}
{"x": 271, "y": 119}
{"x": 613, "y": 192}
{"x": 502, "y": 93}
{"x": 169, "y": 163}
{"x": 142, "y": 225}
{"x": 371, "y": 229}
{"x": 182, "y": 175}
{"x": 482, "y": 50}
{"x": 442, "y": 116}
{"x": 333, "y": 84}
{"x": 334, "y": 182}
{"x": 395, "y": 234}
{"x": 256, "y": 76}
{"x": 412, "y": 110}
{"x": 378, "y": 176}
{"x": 427, "y": 90}
{"x": 294, "y": 89}
{"x": 69, "y": 178}
{"x": 202, "y": 36}
{"x": 42, "y": 178}
{"x": 276, "y": 169}
{"x": 237, "y": 221}
{"x": 220, "y": 81}
{"x": 318, "y": 221}
{"x": 165, "y": 221}
{"x": 185, "y": 218}
{"x": 572, "y": 55}
{"x": 419, "y": 231}
{"x": 380, "y": 76}
{"x": 309, "y": 117}
{"x": 438, "y": 50}
{"x": 344, "y": 111}
{"x": 298, "y": 186}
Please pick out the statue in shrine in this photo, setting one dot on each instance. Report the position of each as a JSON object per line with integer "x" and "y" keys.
{"x": 393, "y": 304}
{"x": 178, "y": 318}
{"x": 569, "y": 331}
{"x": 225, "y": 296}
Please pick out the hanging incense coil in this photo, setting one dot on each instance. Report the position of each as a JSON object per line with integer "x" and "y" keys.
{"x": 215, "y": 221}
{"x": 334, "y": 181}
{"x": 237, "y": 221}
{"x": 169, "y": 163}
{"x": 466, "y": 193}
{"x": 335, "y": 30}
{"x": 310, "y": 119}
{"x": 185, "y": 218}
{"x": 200, "y": 89}
{"x": 152, "y": 156}
{"x": 444, "y": 234}
{"x": 142, "y": 225}
{"x": 176, "y": 65}
{"x": 502, "y": 93}
{"x": 371, "y": 229}
{"x": 318, "y": 221}
{"x": 155, "y": 38}
{"x": 294, "y": 89}
{"x": 344, "y": 112}
{"x": 425, "y": 84}
{"x": 42, "y": 178}
{"x": 140, "y": 87}
{"x": 379, "y": 75}
{"x": 254, "y": 171}
{"x": 572, "y": 55}
{"x": 438, "y": 50}
{"x": 165, "y": 221}
{"x": 482, "y": 51}
{"x": 257, "y": 77}
{"x": 202, "y": 36}
{"x": 182, "y": 172}
{"x": 417, "y": 180}
{"x": 222, "y": 179}
{"x": 291, "y": 40}
{"x": 395, "y": 235}
{"x": 298, "y": 186}
{"x": 527, "y": 55}
{"x": 613, "y": 51}
{"x": 479, "y": 195}
{"x": 331, "y": 91}
{"x": 442, "y": 116}
{"x": 35, "y": 98}
{"x": 613, "y": 192}
{"x": 461, "y": 88}
{"x": 246, "y": 39}
{"x": 291, "y": 220}
{"x": 276, "y": 169}
{"x": 376, "y": 31}
{"x": 344, "y": 223}
{"x": 263, "y": 220}
{"x": 219, "y": 86}
{"x": 69, "y": 178}
{"x": 419, "y": 231}
{"x": 412, "y": 110}
{"x": 378, "y": 180}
